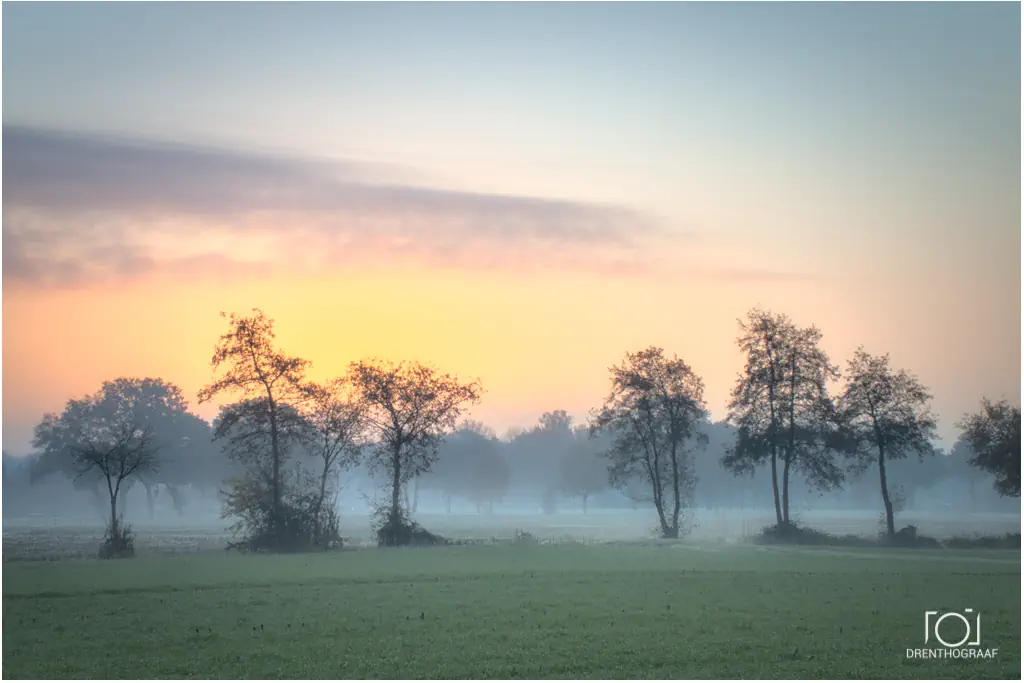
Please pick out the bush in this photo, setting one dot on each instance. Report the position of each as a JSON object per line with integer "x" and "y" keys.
{"x": 300, "y": 528}
{"x": 394, "y": 530}
{"x": 524, "y": 538}
{"x": 790, "y": 533}
{"x": 1005, "y": 542}
{"x": 118, "y": 542}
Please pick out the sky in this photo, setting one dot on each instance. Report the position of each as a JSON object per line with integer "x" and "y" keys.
{"x": 519, "y": 193}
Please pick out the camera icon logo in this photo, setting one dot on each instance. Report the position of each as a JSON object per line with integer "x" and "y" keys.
{"x": 952, "y": 624}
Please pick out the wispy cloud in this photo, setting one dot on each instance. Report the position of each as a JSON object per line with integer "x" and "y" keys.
{"x": 85, "y": 209}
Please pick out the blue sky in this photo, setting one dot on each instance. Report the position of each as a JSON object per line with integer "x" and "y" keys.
{"x": 866, "y": 153}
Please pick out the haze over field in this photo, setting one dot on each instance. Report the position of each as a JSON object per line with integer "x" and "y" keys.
{"x": 519, "y": 193}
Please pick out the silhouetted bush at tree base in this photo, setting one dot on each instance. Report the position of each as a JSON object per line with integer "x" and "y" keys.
{"x": 394, "y": 530}
{"x": 1006, "y": 542}
{"x": 300, "y": 529}
{"x": 907, "y": 537}
{"x": 118, "y": 543}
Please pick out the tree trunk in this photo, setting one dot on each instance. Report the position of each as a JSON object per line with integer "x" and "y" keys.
{"x": 677, "y": 503}
{"x": 320, "y": 505}
{"x": 785, "y": 491}
{"x": 773, "y": 430}
{"x": 791, "y": 445}
{"x": 775, "y": 489}
{"x": 275, "y": 454}
{"x": 415, "y": 495}
{"x": 113, "y": 515}
{"x": 890, "y": 523}
{"x": 149, "y": 499}
{"x": 396, "y": 484}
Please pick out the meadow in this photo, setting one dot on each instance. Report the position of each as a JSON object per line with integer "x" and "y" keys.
{"x": 663, "y": 610}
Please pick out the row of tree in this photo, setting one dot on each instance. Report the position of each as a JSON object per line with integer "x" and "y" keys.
{"x": 287, "y": 439}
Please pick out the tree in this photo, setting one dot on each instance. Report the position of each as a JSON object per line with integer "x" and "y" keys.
{"x": 333, "y": 435}
{"x": 655, "y": 406}
{"x": 993, "y": 435}
{"x": 782, "y": 408}
{"x": 112, "y": 436}
{"x": 470, "y": 465}
{"x": 409, "y": 407}
{"x": 583, "y": 473}
{"x": 885, "y": 415}
{"x": 263, "y": 378}
{"x": 756, "y": 407}
{"x": 269, "y": 497}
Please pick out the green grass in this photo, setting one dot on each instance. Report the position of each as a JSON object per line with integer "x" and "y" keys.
{"x": 508, "y": 612}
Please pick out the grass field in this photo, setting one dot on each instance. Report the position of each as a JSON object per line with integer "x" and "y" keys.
{"x": 558, "y": 611}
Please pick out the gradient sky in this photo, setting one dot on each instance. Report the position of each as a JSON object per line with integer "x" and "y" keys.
{"x": 520, "y": 193}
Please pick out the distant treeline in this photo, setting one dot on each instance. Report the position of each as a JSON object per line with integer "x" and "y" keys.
{"x": 286, "y": 454}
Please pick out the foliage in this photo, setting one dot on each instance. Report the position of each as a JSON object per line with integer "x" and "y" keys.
{"x": 118, "y": 542}
{"x": 993, "y": 435}
{"x": 333, "y": 433}
{"x": 408, "y": 408}
{"x": 885, "y": 415}
{"x": 112, "y": 437}
{"x": 655, "y": 406}
{"x": 781, "y": 407}
{"x": 265, "y": 379}
{"x": 393, "y": 529}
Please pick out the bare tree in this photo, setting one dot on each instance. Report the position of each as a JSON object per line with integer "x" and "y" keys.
{"x": 409, "y": 407}
{"x": 886, "y": 416}
{"x": 993, "y": 435}
{"x": 655, "y": 406}
{"x": 255, "y": 371}
{"x": 334, "y": 429}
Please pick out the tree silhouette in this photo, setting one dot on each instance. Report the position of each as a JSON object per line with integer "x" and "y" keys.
{"x": 112, "y": 436}
{"x": 993, "y": 435}
{"x": 408, "y": 407}
{"x": 252, "y": 368}
{"x": 886, "y": 415}
{"x": 655, "y": 406}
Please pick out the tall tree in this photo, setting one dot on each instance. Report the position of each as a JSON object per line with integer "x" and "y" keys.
{"x": 334, "y": 434}
{"x": 656, "y": 405}
{"x": 113, "y": 435}
{"x": 886, "y": 416}
{"x": 993, "y": 435}
{"x": 262, "y": 377}
{"x": 757, "y": 406}
{"x": 782, "y": 409}
{"x": 409, "y": 407}
{"x": 810, "y": 419}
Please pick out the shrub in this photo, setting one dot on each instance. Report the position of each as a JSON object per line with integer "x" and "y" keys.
{"x": 524, "y": 538}
{"x": 790, "y": 533}
{"x": 118, "y": 542}
{"x": 1005, "y": 542}
{"x": 394, "y": 530}
{"x": 300, "y": 527}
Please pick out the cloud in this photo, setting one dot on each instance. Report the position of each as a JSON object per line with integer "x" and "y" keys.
{"x": 82, "y": 209}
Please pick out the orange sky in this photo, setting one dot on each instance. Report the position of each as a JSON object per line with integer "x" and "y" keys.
{"x": 411, "y": 183}
{"x": 537, "y": 343}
